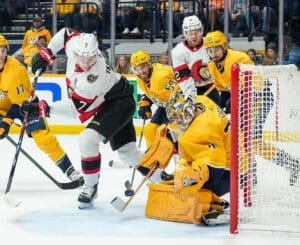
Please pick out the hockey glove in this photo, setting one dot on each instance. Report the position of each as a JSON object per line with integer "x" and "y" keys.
{"x": 5, "y": 123}
{"x": 36, "y": 109}
{"x": 40, "y": 61}
{"x": 144, "y": 110}
{"x": 187, "y": 175}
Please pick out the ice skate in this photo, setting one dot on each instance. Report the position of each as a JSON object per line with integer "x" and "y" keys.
{"x": 74, "y": 175}
{"x": 215, "y": 218}
{"x": 87, "y": 196}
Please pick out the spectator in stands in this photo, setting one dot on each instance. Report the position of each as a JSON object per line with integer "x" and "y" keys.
{"x": 215, "y": 10}
{"x": 31, "y": 50}
{"x": 269, "y": 14}
{"x": 164, "y": 58}
{"x": 32, "y": 35}
{"x": 65, "y": 10}
{"x": 255, "y": 23}
{"x": 291, "y": 49}
{"x": 143, "y": 17}
{"x": 91, "y": 17}
{"x": 271, "y": 57}
{"x": 239, "y": 16}
{"x": 126, "y": 16}
{"x": 123, "y": 66}
{"x": 252, "y": 54}
{"x": 177, "y": 15}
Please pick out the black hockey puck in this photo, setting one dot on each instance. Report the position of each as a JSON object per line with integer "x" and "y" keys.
{"x": 111, "y": 163}
{"x": 129, "y": 193}
{"x": 128, "y": 185}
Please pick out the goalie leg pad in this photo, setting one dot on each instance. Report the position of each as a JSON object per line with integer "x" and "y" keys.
{"x": 48, "y": 143}
{"x": 165, "y": 204}
{"x": 160, "y": 151}
{"x": 149, "y": 133}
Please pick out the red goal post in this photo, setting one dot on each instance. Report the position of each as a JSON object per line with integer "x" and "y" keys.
{"x": 265, "y": 148}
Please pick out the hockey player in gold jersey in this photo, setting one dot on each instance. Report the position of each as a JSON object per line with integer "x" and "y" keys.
{"x": 15, "y": 90}
{"x": 202, "y": 173}
{"x": 158, "y": 83}
{"x": 222, "y": 59}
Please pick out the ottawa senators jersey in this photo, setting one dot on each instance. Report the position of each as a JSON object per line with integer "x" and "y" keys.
{"x": 87, "y": 89}
{"x": 15, "y": 85}
{"x": 190, "y": 66}
{"x": 208, "y": 137}
{"x": 161, "y": 86}
{"x": 221, "y": 72}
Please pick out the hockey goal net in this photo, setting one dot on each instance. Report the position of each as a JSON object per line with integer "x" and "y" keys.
{"x": 265, "y": 153}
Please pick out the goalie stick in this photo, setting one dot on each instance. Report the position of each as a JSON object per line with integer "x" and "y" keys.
{"x": 121, "y": 205}
{"x": 128, "y": 185}
{"x": 64, "y": 186}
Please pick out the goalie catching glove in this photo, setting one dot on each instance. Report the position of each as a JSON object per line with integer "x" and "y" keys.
{"x": 40, "y": 61}
{"x": 192, "y": 175}
{"x": 145, "y": 107}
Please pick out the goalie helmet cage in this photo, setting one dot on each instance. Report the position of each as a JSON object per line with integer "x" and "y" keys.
{"x": 265, "y": 148}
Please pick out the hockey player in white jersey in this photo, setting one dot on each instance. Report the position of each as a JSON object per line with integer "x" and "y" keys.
{"x": 99, "y": 95}
{"x": 189, "y": 60}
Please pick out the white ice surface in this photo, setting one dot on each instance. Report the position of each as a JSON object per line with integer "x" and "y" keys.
{"x": 50, "y": 215}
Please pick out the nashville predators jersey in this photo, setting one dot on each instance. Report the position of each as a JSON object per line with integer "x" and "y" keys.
{"x": 162, "y": 84}
{"x": 31, "y": 36}
{"x": 208, "y": 137}
{"x": 221, "y": 72}
{"x": 15, "y": 85}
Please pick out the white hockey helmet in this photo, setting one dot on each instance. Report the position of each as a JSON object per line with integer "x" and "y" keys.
{"x": 191, "y": 23}
{"x": 87, "y": 45}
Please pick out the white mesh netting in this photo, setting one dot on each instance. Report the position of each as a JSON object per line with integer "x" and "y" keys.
{"x": 269, "y": 148}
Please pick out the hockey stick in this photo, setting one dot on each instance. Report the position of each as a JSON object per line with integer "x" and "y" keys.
{"x": 21, "y": 136}
{"x": 64, "y": 186}
{"x": 128, "y": 185}
{"x": 121, "y": 205}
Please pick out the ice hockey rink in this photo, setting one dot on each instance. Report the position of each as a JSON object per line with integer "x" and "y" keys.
{"x": 49, "y": 215}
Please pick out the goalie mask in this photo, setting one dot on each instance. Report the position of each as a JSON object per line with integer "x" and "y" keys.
{"x": 180, "y": 111}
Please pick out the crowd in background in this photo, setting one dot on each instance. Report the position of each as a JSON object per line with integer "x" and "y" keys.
{"x": 140, "y": 18}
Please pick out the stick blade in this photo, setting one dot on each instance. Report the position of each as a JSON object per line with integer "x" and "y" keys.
{"x": 118, "y": 204}
{"x": 11, "y": 200}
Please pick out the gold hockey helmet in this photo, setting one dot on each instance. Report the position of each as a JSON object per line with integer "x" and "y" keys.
{"x": 3, "y": 41}
{"x": 180, "y": 111}
{"x": 139, "y": 58}
{"x": 215, "y": 39}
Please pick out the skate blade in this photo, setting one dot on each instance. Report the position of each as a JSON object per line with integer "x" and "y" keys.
{"x": 118, "y": 204}
{"x": 222, "y": 219}
{"x": 84, "y": 205}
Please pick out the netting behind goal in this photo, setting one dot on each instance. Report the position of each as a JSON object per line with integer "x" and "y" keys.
{"x": 265, "y": 153}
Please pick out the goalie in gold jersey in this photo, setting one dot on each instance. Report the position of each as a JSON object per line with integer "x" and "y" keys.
{"x": 158, "y": 83}
{"x": 202, "y": 173}
{"x": 15, "y": 90}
